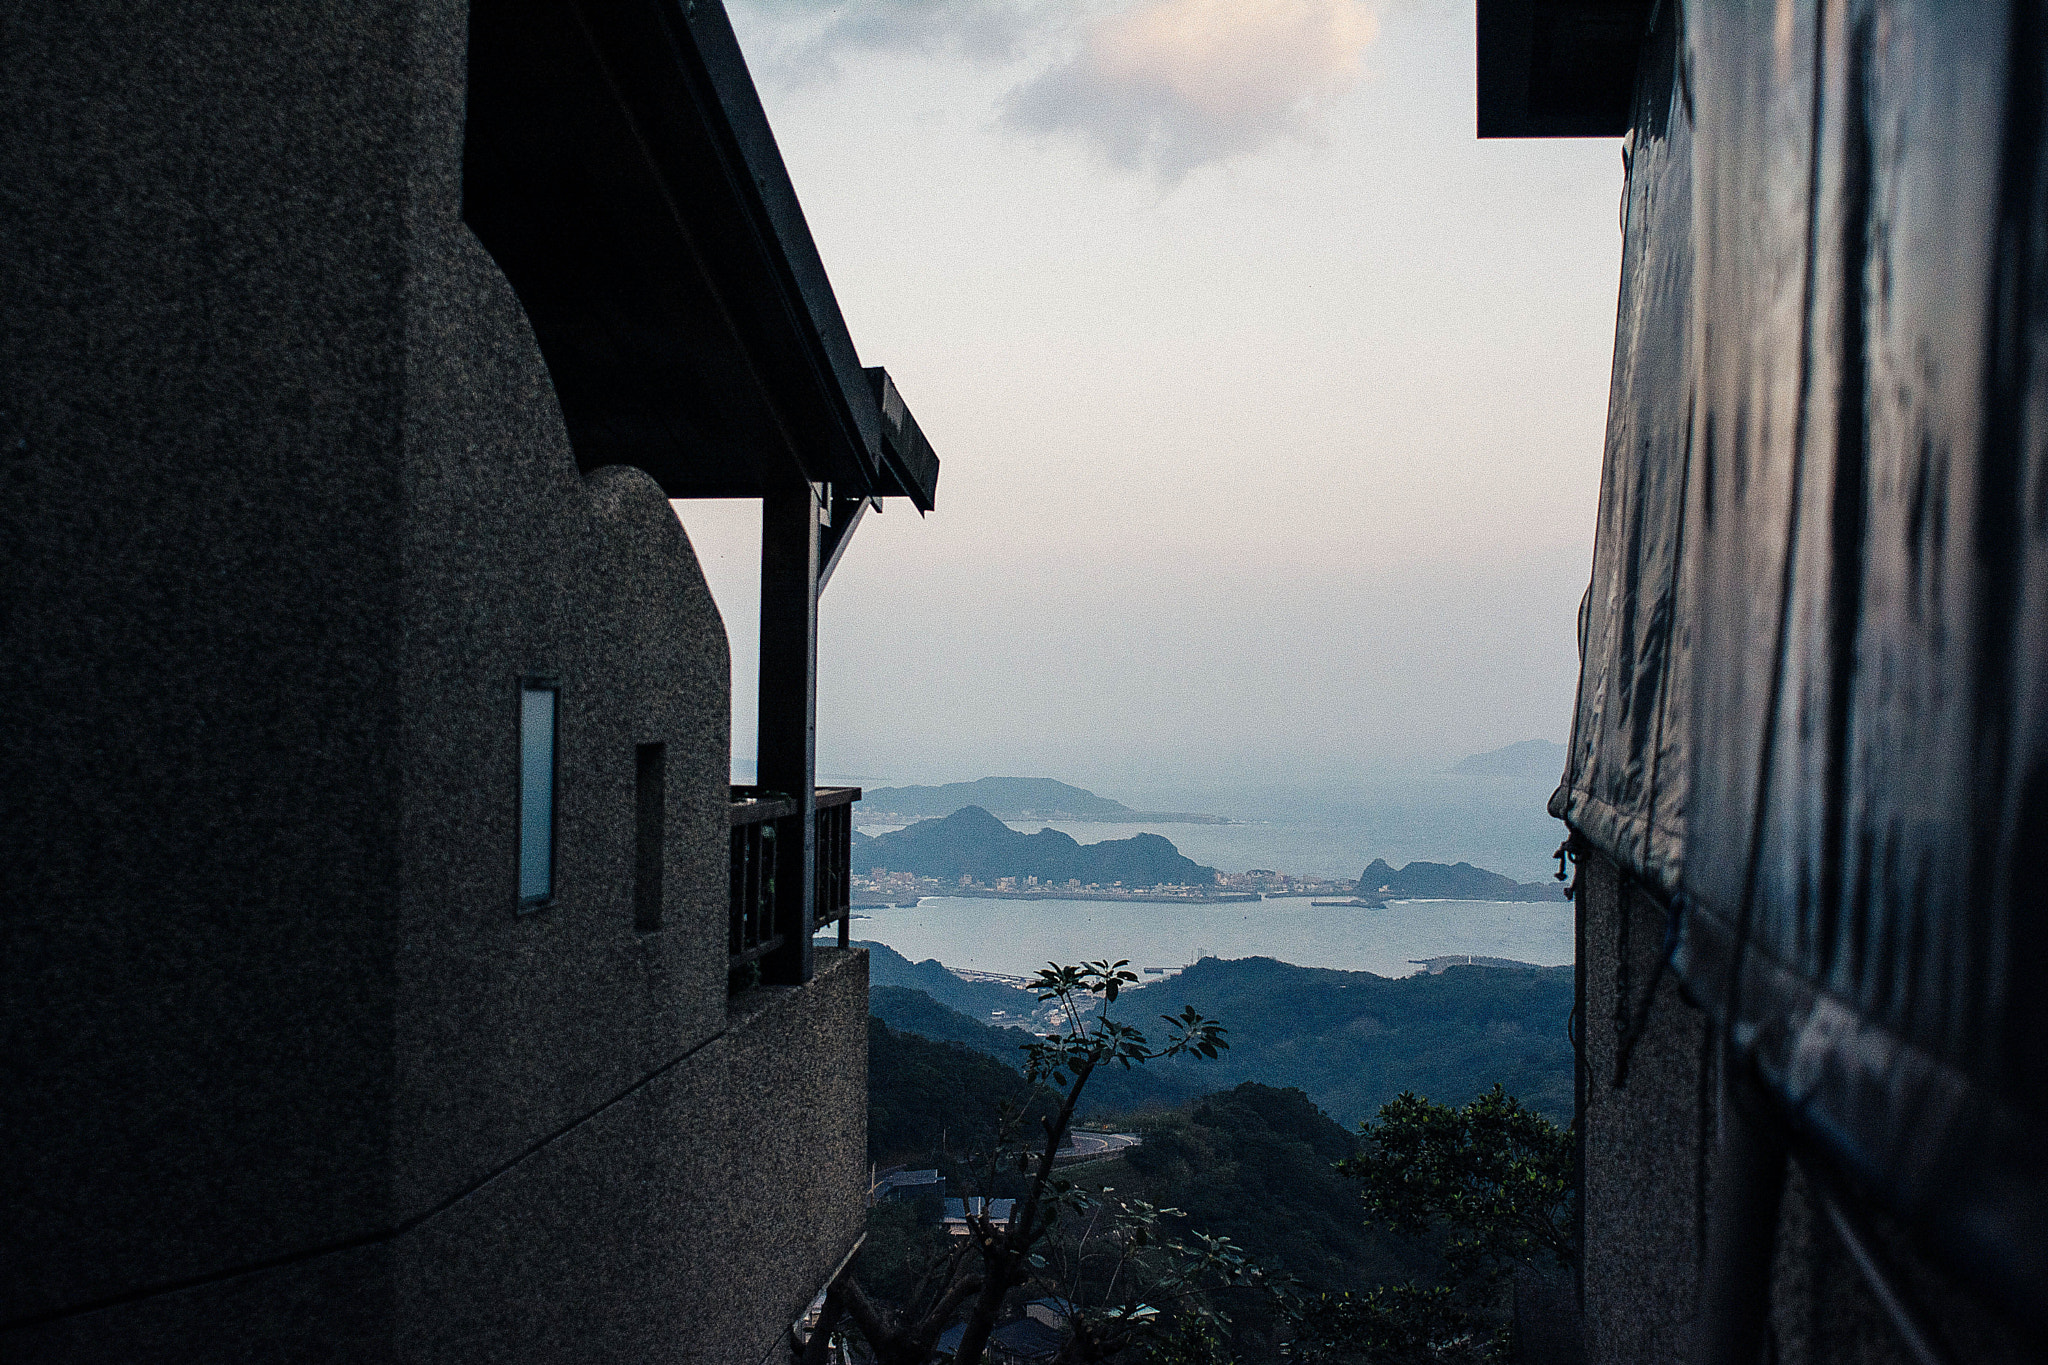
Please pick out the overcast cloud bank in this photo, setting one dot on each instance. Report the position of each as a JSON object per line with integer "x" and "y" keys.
{"x": 1170, "y": 85}
{"x": 1153, "y": 86}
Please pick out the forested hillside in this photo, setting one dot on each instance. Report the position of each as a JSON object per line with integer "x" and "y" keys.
{"x": 1350, "y": 1040}
{"x": 887, "y": 967}
{"x": 1250, "y": 1156}
{"x": 1449, "y": 881}
{"x": 926, "y": 1098}
{"x": 1353, "y": 1040}
{"x": 1254, "y": 1163}
{"x": 1117, "y": 1089}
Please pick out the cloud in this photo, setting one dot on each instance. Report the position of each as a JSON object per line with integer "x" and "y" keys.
{"x": 1169, "y": 85}
{"x": 808, "y": 37}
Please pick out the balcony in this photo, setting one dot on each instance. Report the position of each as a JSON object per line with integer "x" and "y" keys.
{"x": 769, "y": 929}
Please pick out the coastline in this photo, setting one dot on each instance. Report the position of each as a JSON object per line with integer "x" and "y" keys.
{"x": 1167, "y": 898}
{"x": 1129, "y": 817}
{"x": 1016, "y": 937}
{"x": 1067, "y": 894}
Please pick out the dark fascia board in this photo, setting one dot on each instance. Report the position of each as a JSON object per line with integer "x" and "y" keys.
{"x": 1558, "y": 68}
{"x": 726, "y": 67}
{"x": 619, "y": 167}
{"x": 910, "y": 467}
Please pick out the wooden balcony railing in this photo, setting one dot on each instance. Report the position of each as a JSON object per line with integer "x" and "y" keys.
{"x": 767, "y": 865}
{"x": 832, "y": 894}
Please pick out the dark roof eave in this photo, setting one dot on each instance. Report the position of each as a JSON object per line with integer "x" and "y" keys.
{"x": 910, "y": 467}
{"x": 786, "y": 232}
{"x": 1557, "y": 68}
{"x": 619, "y": 167}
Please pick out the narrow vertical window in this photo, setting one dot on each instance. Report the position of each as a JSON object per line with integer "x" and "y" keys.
{"x": 649, "y": 793}
{"x": 537, "y": 706}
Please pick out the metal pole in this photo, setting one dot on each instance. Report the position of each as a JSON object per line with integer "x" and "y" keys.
{"x": 787, "y": 735}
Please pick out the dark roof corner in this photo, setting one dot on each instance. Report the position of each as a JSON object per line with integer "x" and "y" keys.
{"x": 618, "y": 166}
{"x": 910, "y": 467}
{"x": 1558, "y": 68}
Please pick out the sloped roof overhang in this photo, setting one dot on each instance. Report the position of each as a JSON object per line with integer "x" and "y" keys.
{"x": 1557, "y": 68}
{"x": 619, "y": 167}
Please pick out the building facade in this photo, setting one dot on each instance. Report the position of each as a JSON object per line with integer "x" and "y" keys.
{"x": 370, "y": 906}
{"x": 1806, "y": 780}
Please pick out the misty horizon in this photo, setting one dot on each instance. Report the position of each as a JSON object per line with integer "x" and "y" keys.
{"x": 1270, "y": 442}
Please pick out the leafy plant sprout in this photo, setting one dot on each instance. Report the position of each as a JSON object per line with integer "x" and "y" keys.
{"x": 996, "y": 1256}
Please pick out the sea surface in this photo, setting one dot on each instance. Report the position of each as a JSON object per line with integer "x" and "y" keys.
{"x": 1016, "y": 937}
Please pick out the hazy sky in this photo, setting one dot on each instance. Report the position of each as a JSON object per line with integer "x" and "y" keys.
{"x": 1269, "y": 399}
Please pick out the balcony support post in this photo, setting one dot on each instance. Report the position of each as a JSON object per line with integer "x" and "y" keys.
{"x": 787, "y": 733}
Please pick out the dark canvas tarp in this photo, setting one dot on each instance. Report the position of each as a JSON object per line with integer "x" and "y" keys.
{"x": 1813, "y": 714}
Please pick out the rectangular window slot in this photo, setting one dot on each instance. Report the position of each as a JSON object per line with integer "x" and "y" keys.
{"x": 538, "y": 703}
{"x": 649, "y": 792}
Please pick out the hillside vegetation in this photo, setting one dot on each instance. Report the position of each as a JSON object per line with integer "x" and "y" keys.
{"x": 977, "y": 999}
{"x": 1253, "y": 1157}
{"x": 1254, "y": 1164}
{"x": 1353, "y": 1041}
{"x": 1116, "y": 1090}
{"x": 929, "y": 1098}
{"x": 1350, "y": 1040}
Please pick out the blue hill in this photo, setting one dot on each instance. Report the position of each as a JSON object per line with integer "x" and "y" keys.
{"x": 973, "y": 843}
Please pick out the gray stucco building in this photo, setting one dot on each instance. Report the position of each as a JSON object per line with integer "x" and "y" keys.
{"x": 374, "y": 889}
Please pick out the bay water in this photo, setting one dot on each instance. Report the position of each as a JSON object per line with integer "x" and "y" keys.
{"x": 1017, "y": 937}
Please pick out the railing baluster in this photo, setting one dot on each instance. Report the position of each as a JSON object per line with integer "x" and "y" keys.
{"x": 765, "y": 907}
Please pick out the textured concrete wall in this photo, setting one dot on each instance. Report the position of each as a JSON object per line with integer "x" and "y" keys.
{"x": 291, "y": 512}
{"x": 1644, "y": 1183}
{"x": 515, "y": 564}
{"x": 1650, "y": 1179}
{"x": 203, "y": 384}
{"x": 689, "y": 1220}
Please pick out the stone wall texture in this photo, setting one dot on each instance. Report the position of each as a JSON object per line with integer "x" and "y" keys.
{"x": 291, "y": 513}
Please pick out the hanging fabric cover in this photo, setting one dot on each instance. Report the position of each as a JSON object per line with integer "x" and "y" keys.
{"x": 1813, "y": 710}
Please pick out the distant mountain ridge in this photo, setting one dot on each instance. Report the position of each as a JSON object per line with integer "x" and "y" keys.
{"x": 977, "y": 999}
{"x": 1351, "y": 1040}
{"x": 1016, "y": 798}
{"x": 926, "y": 999}
{"x": 1449, "y": 882}
{"x": 971, "y": 842}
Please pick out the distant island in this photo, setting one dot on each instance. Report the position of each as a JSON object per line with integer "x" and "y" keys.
{"x": 972, "y": 853}
{"x": 1016, "y": 798}
{"x": 979, "y": 854}
{"x": 1448, "y": 882}
{"x": 1539, "y": 759}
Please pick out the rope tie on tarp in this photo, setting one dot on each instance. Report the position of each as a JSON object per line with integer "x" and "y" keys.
{"x": 1567, "y": 856}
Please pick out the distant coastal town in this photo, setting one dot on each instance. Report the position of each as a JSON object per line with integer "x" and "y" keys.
{"x": 883, "y": 887}
{"x": 970, "y": 850}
